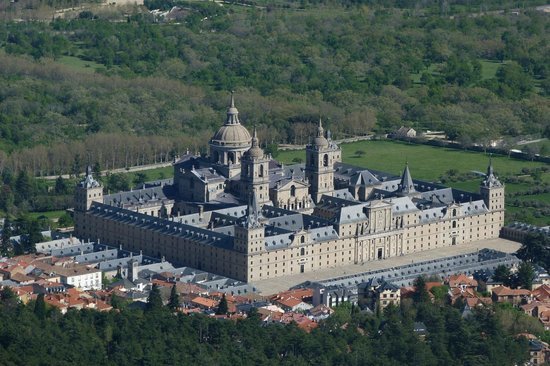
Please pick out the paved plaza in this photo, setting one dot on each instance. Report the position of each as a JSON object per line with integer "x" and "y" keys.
{"x": 275, "y": 285}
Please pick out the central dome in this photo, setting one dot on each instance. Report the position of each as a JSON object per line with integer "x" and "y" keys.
{"x": 232, "y": 134}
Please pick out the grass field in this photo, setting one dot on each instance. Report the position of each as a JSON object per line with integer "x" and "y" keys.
{"x": 153, "y": 174}
{"x": 488, "y": 70}
{"x": 432, "y": 69}
{"x": 425, "y": 162}
{"x": 430, "y": 163}
{"x": 79, "y": 64}
{"x": 526, "y": 215}
{"x": 52, "y": 215}
{"x": 543, "y": 197}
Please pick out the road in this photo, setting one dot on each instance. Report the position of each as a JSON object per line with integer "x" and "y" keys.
{"x": 342, "y": 141}
{"x": 119, "y": 170}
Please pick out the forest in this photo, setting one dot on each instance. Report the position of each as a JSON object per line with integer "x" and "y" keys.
{"x": 34, "y": 334}
{"x": 81, "y": 86}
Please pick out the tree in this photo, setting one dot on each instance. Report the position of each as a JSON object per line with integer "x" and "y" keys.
{"x": 23, "y": 186}
{"x": 222, "y": 306}
{"x": 461, "y": 72}
{"x": 140, "y": 179}
{"x": 253, "y": 314}
{"x": 174, "y": 301}
{"x": 272, "y": 149}
{"x": 40, "y": 307}
{"x": 65, "y": 220}
{"x": 154, "y": 300}
{"x": 514, "y": 83}
{"x": 420, "y": 291}
{"x": 502, "y": 274}
{"x": 440, "y": 292}
{"x": 33, "y": 236}
{"x": 536, "y": 248}
{"x": 7, "y": 199}
{"x": 77, "y": 165}
{"x": 7, "y": 294}
{"x": 525, "y": 275}
{"x": 97, "y": 170}
{"x": 118, "y": 182}
{"x": 118, "y": 302}
{"x": 531, "y": 150}
{"x": 60, "y": 186}
{"x": 6, "y": 247}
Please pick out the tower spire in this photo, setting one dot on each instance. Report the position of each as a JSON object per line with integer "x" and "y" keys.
{"x": 490, "y": 167}
{"x": 407, "y": 184}
{"x": 232, "y": 112}
{"x": 490, "y": 178}
{"x": 255, "y": 142}
{"x": 254, "y": 211}
{"x": 320, "y": 129}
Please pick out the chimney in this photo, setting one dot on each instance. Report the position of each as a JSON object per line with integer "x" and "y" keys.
{"x": 201, "y": 211}
{"x": 132, "y": 270}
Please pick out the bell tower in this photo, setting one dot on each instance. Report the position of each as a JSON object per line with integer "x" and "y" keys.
{"x": 87, "y": 191}
{"x": 255, "y": 172}
{"x": 492, "y": 190}
{"x": 321, "y": 155}
{"x": 250, "y": 233}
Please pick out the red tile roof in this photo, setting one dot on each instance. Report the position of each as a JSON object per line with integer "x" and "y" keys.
{"x": 21, "y": 277}
{"x": 204, "y": 302}
{"x": 461, "y": 280}
{"x": 430, "y": 285}
{"x": 302, "y": 293}
{"x": 541, "y": 293}
{"x": 506, "y": 291}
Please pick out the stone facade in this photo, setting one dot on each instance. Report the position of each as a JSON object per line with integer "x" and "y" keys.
{"x": 273, "y": 221}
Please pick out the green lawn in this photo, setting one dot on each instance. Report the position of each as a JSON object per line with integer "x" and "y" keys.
{"x": 79, "y": 64}
{"x": 543, "y": 197}
{"x": 425, "y": 162}
{"x": 468, "y": 186}
{"x": 430, "y": 163}
{"x": 525, "y": 215}
{"x": 489, "y": 68}
{"x": 517, "y": 187}
{"x": 52, "y": 215}
{"x": 153, "y": 174}
{"x": 432, "y": 69}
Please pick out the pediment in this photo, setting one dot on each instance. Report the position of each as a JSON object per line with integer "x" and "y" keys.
{"x": 290, "y": 183}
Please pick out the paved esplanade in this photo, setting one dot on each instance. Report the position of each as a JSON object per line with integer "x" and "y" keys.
{"x": 274, "y": 285}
